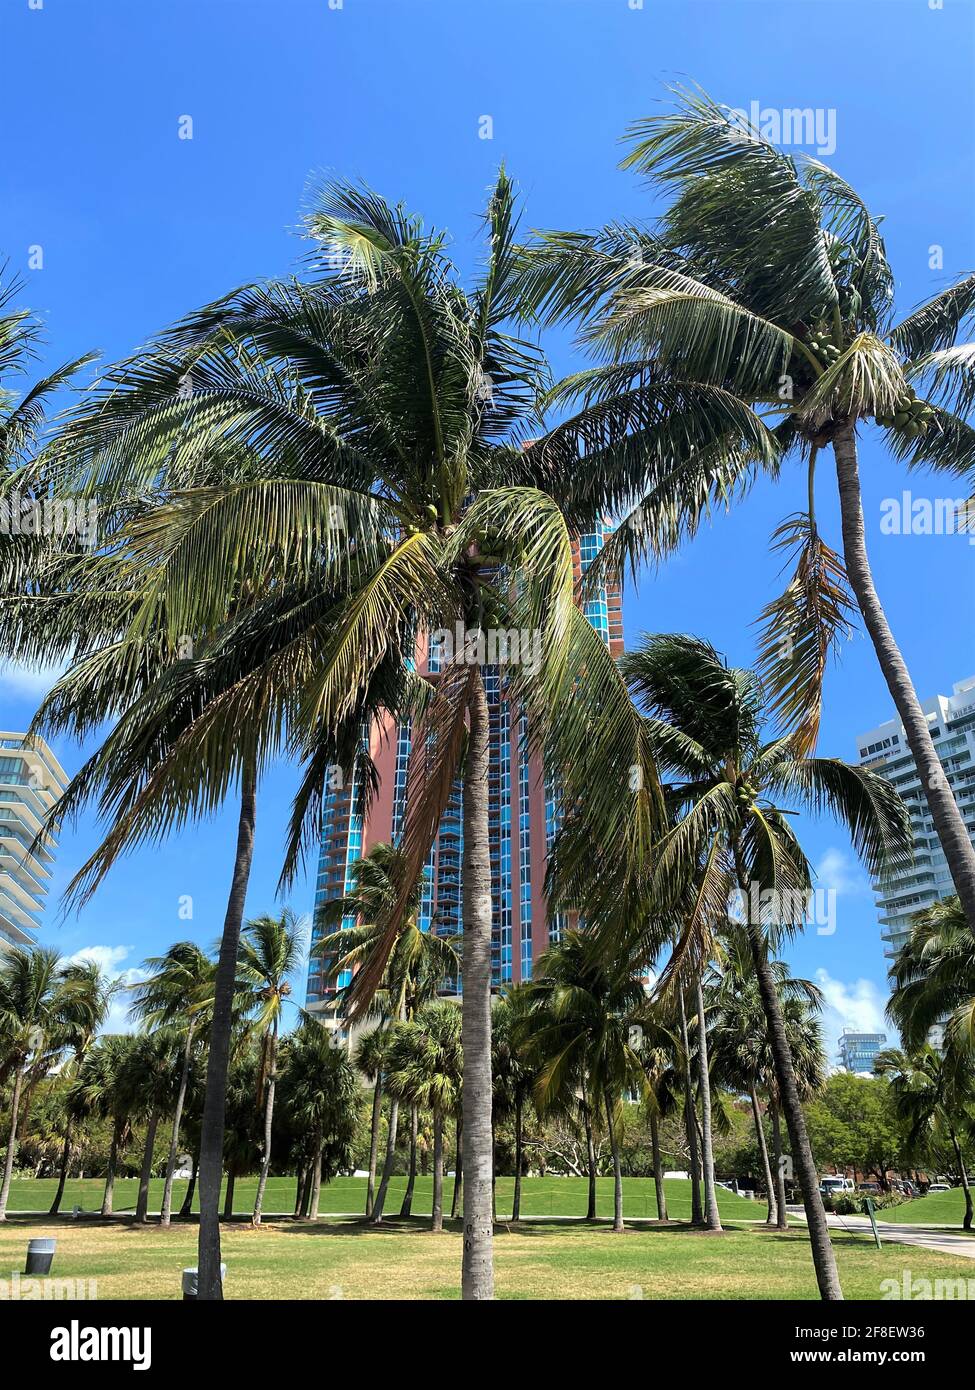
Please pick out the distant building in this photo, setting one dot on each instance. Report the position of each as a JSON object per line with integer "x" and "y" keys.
{"x": 858, "y": 1050}
{"x": 522, "y": 825}
{"x": 885, "y": 750}
{"x": 31, "y": 780}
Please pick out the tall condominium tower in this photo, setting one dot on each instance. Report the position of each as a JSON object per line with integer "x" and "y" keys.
{"x": 858, "y": 1050}
{"x": 952, "y": 722}
{"x": 31, "y": 780}
{"x": 522, "y": 823}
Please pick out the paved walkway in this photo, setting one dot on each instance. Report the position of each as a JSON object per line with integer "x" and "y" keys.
{"x": 944, "y": 1239}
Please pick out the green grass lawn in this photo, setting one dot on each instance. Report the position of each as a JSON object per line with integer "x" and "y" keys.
{"x": 936, "y": 1209}
{"x": 540, "y": 1196}
{"x": 344, "y": 1259}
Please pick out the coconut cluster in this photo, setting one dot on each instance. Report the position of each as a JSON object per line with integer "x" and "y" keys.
{"x": 912, "y": 417}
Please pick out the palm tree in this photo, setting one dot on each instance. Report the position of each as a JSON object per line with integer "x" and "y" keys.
{"x": 87, "y": 998}
{"x": 379, "y": 411}
{"x": 754, "y": 322}
{"x": 34, "y": 1029}
{"x": 271, "y": 950}
{"x": 150, "y": 1082}
{"x": 513, "y": 1077}
{"x": 416, "y": 967}
{"x": 744, "y": 1056}
{"x": 101, "y": 1092}
{"x": 321, "y": 1095}
{"x": 707, "y": 721}
{"x": 578, "y": 1012}
{"x": 425, "y": 1069}
{"x": 178, "y": 995}
{"x": 933, "y": 978}
{"x": 934, "y": 1096}
{"x": 369, "y": 1058}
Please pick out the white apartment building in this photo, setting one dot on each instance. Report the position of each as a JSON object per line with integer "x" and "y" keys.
{"x": 885, "y": 750}
{"x": 31, "y": 780}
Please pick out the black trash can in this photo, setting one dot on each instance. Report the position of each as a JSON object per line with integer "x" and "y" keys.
{"x": 40, "y": 1254}
{"x": 190, "y": 1281}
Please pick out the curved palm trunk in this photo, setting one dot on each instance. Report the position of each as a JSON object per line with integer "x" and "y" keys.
{"x": 437, "y": 1223}
{"x": 108, "y": 1197}
{"x": 406, "y": 1209}
{"x": 186, "y": 1210}
{"x": 824, "y": 1259}
{"x": 272, "y": 1076}
{"x": 377, "y": 1110}
{"x": 712, "y": 1218}
{"x": 228, "y": 1196}
{"x": 690, "y": 1117}
{"x": 772, "y": 1216}
{"x": 218, "y": 1060}
{"x": 614, "y": 1149}
{"x": 966, "y": 1186}
{"x": 477, "y": 1280}
{"x": 142, "y": 1204}
{"x": 590, "y": 1162}
{"x": 455, "y": 1205}
{"x": 167, "y": 1201}
{"x": 658, "y": 1168}
{"x": 947, "y": 818}
{"x": 8, "y": 1166}
{"x": 380, "y": 1203}
{"x": 516, "y": 1198}
{"x": 781, "y": 1216}
{"x": 63, "y": 1173}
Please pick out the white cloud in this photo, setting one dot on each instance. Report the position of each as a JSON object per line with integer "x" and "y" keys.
{"x": 109, "y": 959}
{"x": 31, "y": 682}
{"x": 839, "y": 871}
{"x": 857, "y": 1004}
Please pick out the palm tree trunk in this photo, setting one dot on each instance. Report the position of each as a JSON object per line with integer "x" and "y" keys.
{"x": 590, "y": 1162}
{"x": 167, "y": 1200}
{"x": 306, "y": 1186}
{"x": 477, "y": 1280}
{"x": 142, "y": 1204}
{"x": 516, "y": 1197}
{"x": 772, "y": 1216}
{"x": 218, "y": 1060}
{"x": 316, "y": 1182}
{"x": 614, "y": 1149}
{"x": 228, "y": 1196}
{"x": 966, "y": 1186}
{"x": 948, "y": 823}
{"x": 186, "y": 1210}
{"x": 380, "y": 1203}
{"x": 824, "y": 1259}
{"x": 377, "y": 1111}
{"x": 658, "y": 1168}
{"x": 455, "y": 1206}
{"x": 108, "y": 1196}
{"x": 712, "y": 1218}
{"x": 406, "y": 1208}
{"x": 63, "y": 1173}
{"x": 690, "y": 1117}
{"x": 437, "y": 1223}
{"x": 8, "y": 1166}
{"x": 781, "y": 1216}
{"x": 272, "y": 1063}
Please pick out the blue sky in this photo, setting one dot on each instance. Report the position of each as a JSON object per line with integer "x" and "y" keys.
{"x": 137, "y": 226}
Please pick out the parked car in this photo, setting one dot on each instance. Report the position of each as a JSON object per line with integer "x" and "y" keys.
{"x": 869, "y": 1187}
{"x": 832, "y": 1185}
{"x": 940, "y": 1187}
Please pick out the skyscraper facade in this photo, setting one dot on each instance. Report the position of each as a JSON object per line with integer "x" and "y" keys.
{"x": 522, "y": 822}
{"x": 31, "y": 780}
{"x": 858, "y": 1050}
{"x": 951, "y": 719}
